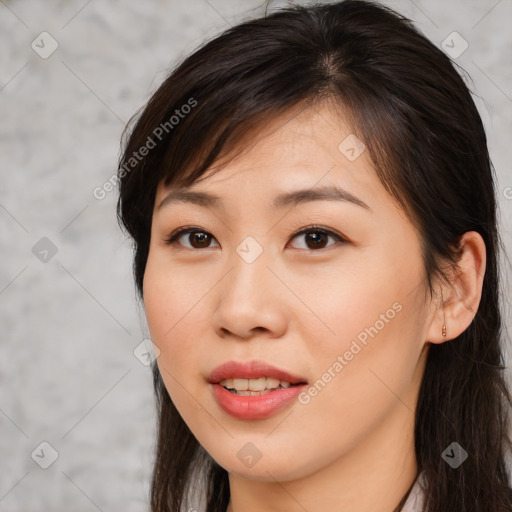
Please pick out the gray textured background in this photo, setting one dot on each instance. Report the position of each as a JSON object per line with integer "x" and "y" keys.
{"x": 68, "y": 374}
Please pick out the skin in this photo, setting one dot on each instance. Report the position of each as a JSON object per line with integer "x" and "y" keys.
{"x": 351, "y": 447}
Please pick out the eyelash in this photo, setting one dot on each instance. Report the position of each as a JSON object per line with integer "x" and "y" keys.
{"x": 309, "y": 229}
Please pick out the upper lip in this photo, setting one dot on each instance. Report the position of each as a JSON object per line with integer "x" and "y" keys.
{"x": 251, "y": 370}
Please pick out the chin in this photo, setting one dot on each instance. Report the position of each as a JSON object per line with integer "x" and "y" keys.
{"x": 269, "y": 470}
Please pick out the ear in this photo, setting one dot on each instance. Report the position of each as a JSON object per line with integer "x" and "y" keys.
{"x": 459, "y": 300}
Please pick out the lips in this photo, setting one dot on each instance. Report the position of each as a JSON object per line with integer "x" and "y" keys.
{"x": 258, "y": 405}
{"x": 252, "y": 370}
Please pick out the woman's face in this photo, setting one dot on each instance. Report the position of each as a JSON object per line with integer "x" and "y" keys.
{"x": 346, "y": 315}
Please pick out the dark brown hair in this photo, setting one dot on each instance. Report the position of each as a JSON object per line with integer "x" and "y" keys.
{"x": 410, "y": 106}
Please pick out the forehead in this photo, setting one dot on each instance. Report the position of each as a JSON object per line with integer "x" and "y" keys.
{"x": 300, "y": 150}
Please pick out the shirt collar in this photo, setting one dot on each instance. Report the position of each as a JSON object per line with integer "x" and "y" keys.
{"x": 414, "y": 501}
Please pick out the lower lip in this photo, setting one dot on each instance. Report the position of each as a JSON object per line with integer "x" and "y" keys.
{"x": 257, "y": 406}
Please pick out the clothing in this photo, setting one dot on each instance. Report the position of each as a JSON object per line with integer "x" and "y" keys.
{"x": 414, "y": 501}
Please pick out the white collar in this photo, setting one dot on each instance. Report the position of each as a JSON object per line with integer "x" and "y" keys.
{"x": 414, "y": 502}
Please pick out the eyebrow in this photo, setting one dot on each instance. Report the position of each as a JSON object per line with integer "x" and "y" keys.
{"x": 295, "y": 197}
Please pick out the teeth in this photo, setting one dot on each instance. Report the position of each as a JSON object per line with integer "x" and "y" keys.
{"x": 241, "y": 384}
{"x": 250, "y": 393}
{"x": 255, "y": 385}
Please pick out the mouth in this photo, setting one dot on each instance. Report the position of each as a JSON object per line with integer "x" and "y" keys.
{"x": 252, "y": 377}
{"x": 255, "y": 387}
{"x": 253, "y": 390}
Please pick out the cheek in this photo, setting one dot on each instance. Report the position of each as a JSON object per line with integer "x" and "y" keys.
{"x": 358, "y": 383}
{"x": 346, "y": 304}
{"x": 169, "y": 297}
{"x": 373, "y": 343}
{"x": 168, "y": 306}
{"x": 174, "y": 302}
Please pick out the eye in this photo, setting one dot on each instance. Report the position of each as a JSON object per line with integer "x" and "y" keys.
{"x": 317, "y": 237}
{"x": 200, "y": 239}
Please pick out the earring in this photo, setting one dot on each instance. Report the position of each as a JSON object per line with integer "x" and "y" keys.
{"x": 443, "y": 329}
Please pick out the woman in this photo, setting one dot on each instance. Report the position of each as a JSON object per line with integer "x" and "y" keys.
{"x": 311, "y": 201}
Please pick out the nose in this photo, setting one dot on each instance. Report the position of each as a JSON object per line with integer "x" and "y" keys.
{"x": 250, "y": 299}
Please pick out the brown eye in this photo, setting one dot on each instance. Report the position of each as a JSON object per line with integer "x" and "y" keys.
{"x": 200, "y": 238}
{"x": 317, "y": 238}
{"x": 197, "y": 238}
